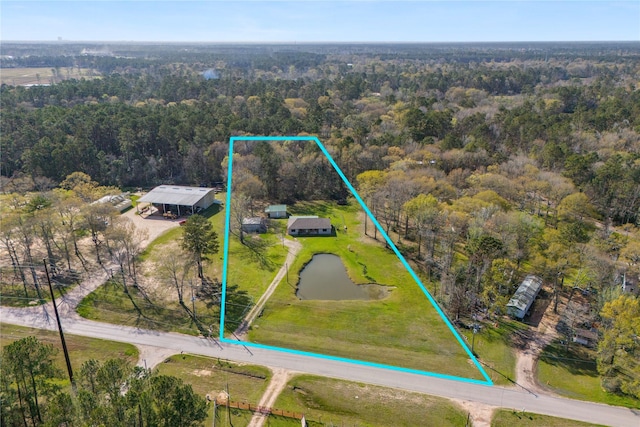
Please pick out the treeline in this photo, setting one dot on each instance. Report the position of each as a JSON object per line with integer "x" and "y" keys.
{"x": 112, "y": 393}
{"x": 170, "y": 124}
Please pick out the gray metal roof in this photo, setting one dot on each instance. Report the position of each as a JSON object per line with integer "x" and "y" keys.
{"x": 308, "y": 223}
{"x": 175, "y": 195}
{"x": 256, "y": 220}
{"x": 526, "y": 293}
{"x": 276, "y": 208}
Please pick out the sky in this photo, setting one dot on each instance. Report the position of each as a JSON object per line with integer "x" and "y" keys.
{"x": 320, "y": 21}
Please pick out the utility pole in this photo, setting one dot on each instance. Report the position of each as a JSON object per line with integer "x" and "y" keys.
{"x": 64, "y": 344}
{"x": 228, "y": 406}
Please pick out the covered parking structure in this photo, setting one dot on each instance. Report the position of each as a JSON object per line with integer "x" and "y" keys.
{"x": 179, "y": 200}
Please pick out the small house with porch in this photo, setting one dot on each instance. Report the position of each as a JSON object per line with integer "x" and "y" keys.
{"x": 309, "y": 226}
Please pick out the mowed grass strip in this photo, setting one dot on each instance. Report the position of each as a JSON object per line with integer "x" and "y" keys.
{"x": 324, "y": 401}
{"x": 402, "y": 330}
{"x": 509, "y": 418}
{"x": 574, "y": 374}
{"x": 80, "y": 348}
{"x": 246, "y": 383}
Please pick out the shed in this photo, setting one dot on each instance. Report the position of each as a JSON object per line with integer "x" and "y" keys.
{"x": 309, "y": 226}
{"x": 524, "y": 296}
{"x": 276, "y": 211}
{"x": 254, "y": 225}
{"x": 179, "y": 199}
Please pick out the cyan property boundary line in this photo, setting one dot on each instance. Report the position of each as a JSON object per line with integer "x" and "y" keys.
{"x": 387, "y": 239}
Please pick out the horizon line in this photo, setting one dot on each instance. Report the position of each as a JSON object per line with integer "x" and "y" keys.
{"x": 315, "y": 42}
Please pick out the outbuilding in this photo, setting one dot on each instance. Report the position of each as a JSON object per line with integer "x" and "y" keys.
{"x": 179, "y": 200}
{"x": 524, "y": 297}
{"x": 254, "y": 225}
{"x": 276, "y": 211}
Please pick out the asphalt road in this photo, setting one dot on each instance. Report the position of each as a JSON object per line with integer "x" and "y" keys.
{"x": 42, "y": 317}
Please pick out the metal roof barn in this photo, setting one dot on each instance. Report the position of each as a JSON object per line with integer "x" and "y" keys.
{"x": 180, "y": 196}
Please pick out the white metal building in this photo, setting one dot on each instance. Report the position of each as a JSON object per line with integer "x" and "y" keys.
{"x": 178, "y": 199}
{"x": 522, "y": 300}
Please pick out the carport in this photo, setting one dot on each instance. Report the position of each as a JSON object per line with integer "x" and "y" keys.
{"x": 179, "y": 200}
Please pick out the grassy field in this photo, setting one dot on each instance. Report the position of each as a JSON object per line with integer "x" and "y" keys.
{"x": 35, "y": 76}
{"x": 246, "y": 383}
{"x": 110, "y": 304}
{"x": 573, "y": 374}
{"x": 80, "y": 348}
{"x": 402, "y": 329}
{"x": 325, "y": 401}
{"x": 508, "y": 418}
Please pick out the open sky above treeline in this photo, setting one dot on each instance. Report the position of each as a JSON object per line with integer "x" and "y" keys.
{"x": 320, "y": 21}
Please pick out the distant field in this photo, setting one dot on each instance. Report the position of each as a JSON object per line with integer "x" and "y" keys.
{"x": 35, "y": 76}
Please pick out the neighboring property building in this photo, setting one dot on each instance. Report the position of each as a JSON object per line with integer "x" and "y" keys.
{"x": 585, "y": 337}
{"x": 254, "y": 225}
{"x": 178, "y": 199}
{"x": 524, "y": 296}
{"x": 309, "y": 226}
{"x": 276, "y": 211}
{"x": 121, "y": 202}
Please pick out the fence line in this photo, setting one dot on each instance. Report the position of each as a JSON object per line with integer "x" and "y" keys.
{"x": 265, "y": 410}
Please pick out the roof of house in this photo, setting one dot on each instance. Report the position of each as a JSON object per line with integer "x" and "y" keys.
{"x": 175, "y": 195}
{"x": 526, "y": 293}
{"x": 276, "y": 208}
{"x": 308, "y": 223}
{"x": 256, "y": 220}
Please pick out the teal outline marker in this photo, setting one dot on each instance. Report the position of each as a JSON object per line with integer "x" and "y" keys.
{"x": 387, "y": 239}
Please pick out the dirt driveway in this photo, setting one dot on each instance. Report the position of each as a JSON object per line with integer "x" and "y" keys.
{"x": 154, "y": 224}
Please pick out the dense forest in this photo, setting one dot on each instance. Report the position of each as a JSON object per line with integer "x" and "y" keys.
{"x": 485, "y": 162}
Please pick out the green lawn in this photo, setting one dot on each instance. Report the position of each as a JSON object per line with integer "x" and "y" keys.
{"x": 402, "y": 329}
{"x": 325, "y": 400}
{"x": 80, "y": 348}
{"x": 492, "y": 347}
{"x": 574, "y": 374}
{"x": 246, "y": 383}
{"x": 509, "y": 418}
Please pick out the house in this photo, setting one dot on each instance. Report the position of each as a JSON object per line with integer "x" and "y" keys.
{"x": 254, "y": 225}
{"x": 276, "y": 211}
{"x": 309, "y": 226}
{"x": 524, "y": 296}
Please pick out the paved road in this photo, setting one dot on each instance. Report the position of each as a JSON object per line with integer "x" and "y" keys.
{"x": 42, "y": 317}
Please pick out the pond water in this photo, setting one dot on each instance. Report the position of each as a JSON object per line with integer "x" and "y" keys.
{"x": 325, "y": 278}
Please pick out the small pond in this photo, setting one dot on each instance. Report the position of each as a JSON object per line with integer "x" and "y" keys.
{"x": 325, "y": 278}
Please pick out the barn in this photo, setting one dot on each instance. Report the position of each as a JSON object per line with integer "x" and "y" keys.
{"x": 179, "y": 200}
